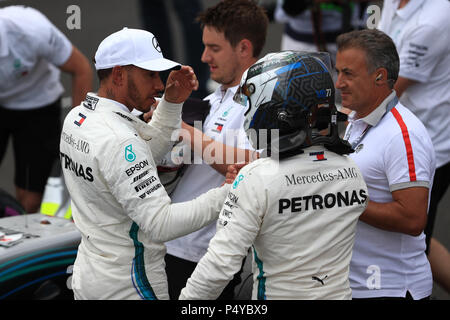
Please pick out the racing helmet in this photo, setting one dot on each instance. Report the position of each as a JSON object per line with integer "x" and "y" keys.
{"x": 293, "y": 92}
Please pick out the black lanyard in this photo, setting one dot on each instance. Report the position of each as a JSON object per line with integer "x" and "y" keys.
{"x": 358, "y": 140}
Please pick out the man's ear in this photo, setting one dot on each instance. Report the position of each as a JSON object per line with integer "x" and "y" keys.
{"x": 118, "y": 75}
{"x": 245, "y": 48}
{"x": 381, "y": 76}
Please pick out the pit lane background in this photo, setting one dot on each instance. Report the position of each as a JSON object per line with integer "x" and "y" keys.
{"x": 100, "y": 18}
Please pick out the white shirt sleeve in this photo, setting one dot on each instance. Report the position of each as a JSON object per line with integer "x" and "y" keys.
{"x": 48, "y": 40}
{"x": 239, "y": 223}
{"x": 422, "y": 49}
{"x": 407, "y": 166}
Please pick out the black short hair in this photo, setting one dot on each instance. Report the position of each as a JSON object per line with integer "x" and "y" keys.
{"x": 102, "y": 74}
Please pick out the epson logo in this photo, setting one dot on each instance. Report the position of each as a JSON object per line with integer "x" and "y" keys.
{"x": 233, "y": 197}
{"x": 136, "y": 167}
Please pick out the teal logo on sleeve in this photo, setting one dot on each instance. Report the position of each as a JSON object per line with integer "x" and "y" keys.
{"x": 130, "y": 156}
{"x": 238, "y": 179}
{"x": 17, "y": 64}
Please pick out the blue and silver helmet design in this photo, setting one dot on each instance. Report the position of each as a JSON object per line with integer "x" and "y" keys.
{"x": 294, "y": 93}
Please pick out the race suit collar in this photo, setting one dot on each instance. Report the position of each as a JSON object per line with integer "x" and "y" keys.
{"x": 122, "y": 106}
{"x": 120, "y": 111}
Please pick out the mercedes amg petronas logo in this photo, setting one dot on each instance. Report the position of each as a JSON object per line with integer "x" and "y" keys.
{"x": 156, "y": 45}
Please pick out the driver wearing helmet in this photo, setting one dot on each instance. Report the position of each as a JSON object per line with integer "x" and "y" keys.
{"x": 298, "y": 207}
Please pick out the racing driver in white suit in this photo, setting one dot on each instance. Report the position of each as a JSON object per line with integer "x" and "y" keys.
{"x": 108, "y": 158}
{"x": 299, "y": 214}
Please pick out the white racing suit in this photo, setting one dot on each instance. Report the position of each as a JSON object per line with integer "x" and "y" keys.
{"x": 119, "y": 204}
{"x": 299, "y": 215}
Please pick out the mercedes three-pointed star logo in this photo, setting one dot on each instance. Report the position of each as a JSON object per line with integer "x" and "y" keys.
{"x": 156, "y": 44}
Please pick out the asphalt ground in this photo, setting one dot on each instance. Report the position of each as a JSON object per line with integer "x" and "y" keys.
{"x": 99, "y": 18}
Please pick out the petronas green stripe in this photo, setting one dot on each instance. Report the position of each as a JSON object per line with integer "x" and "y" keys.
{"x": 34, "y": 254}
{"x": 38, "y": 267}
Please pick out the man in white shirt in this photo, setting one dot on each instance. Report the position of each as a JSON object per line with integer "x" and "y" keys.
{"x": 32, "y": 53}
{"x": 233, "y": 34}
{"x": 421, "y": 32}
{"x": 396, "y": 157}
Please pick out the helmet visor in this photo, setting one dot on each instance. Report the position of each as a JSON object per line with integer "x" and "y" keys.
{"x": 242, "y": 94}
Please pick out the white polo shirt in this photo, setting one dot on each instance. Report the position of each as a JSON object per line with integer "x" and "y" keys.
{"x": 30, "y": 48}
{"x": 421, "y": 33}
{"x": 224, "y": 123}
{"x": 394, "y": 153}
